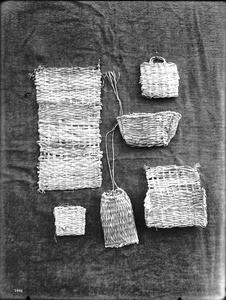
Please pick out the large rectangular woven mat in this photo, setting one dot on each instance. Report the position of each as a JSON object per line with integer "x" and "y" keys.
{"x": 69, "y": 101}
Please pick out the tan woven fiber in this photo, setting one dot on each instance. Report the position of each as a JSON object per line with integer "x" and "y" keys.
{"x": 145, "y": 129}
{"x": 149, "y": 129}
{"x": 175, "y": 197}
{"x": 116, "y": 209}
{"x": 159, "y": 79}
{"x": 69, "y": 101}
{"x": 69, "y": 220}
{"x": 117, "y": 219}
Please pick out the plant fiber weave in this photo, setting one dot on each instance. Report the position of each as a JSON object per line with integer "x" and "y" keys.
{"x": 144, "y": 129}
{"x": 149, "y": 129}
{"x": 69, "y": 137}
{"x": 159, "y": 79}
{"x": 117, "y": 219}
{"x": 175, "y": 197}
{"x": 70, "y": 220}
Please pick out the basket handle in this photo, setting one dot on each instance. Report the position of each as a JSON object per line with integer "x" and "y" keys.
{"x": 157, "y": 57}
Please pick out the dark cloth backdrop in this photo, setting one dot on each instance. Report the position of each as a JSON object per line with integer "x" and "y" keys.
{"x": 167, "y": 263}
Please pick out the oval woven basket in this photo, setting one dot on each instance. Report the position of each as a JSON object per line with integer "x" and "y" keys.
{"x": 159, "y": 79}
{"x": 149, "y": 129}
{"x": 175, "y": 197}
{"x": 117, "y": 219}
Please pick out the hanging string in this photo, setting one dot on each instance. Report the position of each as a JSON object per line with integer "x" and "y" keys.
{"x": 111, "y": 171}
{"x": 113, "y": 79}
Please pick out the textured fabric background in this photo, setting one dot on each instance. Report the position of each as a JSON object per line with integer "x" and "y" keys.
{"x": 168, "y": 263}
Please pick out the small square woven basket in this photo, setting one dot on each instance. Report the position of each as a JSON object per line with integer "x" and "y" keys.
{"x": 70, "y": 220}
{"x": 175, "y": 197}
{"x": 159, "y": 79}
{"x": 117, "y": 219}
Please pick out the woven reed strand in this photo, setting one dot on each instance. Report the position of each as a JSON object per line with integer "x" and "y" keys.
{"x": 117, "y": 219}
{"x": 175, "y": 197}
{"x": 69, "y": 220}
{"x": 69, "y": 136}
{"x": 149, "y": 129}
{"x": 159, "y": 79}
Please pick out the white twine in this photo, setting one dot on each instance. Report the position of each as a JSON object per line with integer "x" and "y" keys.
{"x": 111, "y": 172}
{"x": 113, "y": 79}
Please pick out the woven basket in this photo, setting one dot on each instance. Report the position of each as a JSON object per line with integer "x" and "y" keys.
{"x": 69, "y": 106}
{"x": 117, "y": 219}
{"x": 145, "y": 129}
{"x": 175, "y": 197}
{"x": 159, "y": 79}
{"x": 69, "y": 220}
{"x": 149, "y": 129}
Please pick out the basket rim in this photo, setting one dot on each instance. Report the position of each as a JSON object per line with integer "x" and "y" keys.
{"x": 114, "y": 193}
{"x": 176, "y": 167}
{"x": 69, "y": 207}
{"x": 135, "y": 115}
{"x": 66, "y": 68}
{"x": 158, "y": 63}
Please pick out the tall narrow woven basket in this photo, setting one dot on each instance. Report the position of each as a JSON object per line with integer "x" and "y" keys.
{"x": 116, "y": 210}
{"x": 69, "y": 220}
{"x": 117, "y": 219}
{"x": 159, "y": 79}
{"x": 69, "y": 105}
{"x": 145, "y": 129}
{"x": 175, "y": 197}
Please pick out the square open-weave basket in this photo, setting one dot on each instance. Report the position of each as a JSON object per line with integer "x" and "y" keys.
{"x": 159, "y": 79}
{"x": 69, "y": 105}
{"x": 70, "y": 220}
{"x": 149, "y": 129}
{"x": 175, "y": 197}
{"x": 117, "y": 219}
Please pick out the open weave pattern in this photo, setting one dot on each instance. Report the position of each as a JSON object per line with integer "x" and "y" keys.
{"x": 69, "y": 137}
{"x": 159, "y": 79}
{"x": 149, "y": 129}
{"x": 69, "y": 220}
{"x": 117, "y": 219}
{"x": 175, "y": 197}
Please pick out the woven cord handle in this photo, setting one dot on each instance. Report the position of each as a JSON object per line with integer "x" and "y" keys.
{"x": 111, "y": 172}
{"x": 111, "y": 76}
{"x": 157, "y": 57}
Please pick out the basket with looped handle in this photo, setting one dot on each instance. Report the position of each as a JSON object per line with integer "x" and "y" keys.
{"x": 175, "y": 197}
{"x": 69, "y": 220}
{"x": 145, "y": 129}
{"x": 159, "y": 79}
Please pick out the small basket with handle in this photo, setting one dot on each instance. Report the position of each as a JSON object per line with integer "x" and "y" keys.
{"x": 159, "y": 79}
{"x": 145, "y": 129}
